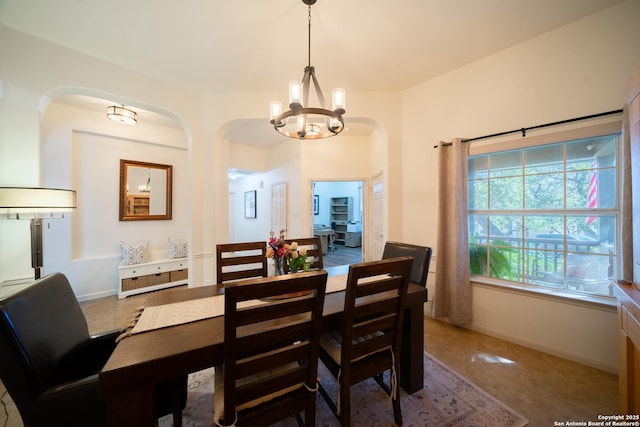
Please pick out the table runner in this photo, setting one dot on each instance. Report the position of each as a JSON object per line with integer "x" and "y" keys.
{"x": 177, "y": 313}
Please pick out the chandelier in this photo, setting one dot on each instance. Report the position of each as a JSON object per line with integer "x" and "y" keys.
{"x": 302, "y": 121}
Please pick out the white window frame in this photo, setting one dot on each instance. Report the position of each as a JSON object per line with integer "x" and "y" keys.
{"x": 601, "y": 129}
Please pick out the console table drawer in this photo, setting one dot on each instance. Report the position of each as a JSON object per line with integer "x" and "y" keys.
{"x": 140, "y": 282}
{"x": 178, "y": 275}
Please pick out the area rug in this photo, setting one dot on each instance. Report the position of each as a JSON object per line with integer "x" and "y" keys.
{"x": 447, "y": 400}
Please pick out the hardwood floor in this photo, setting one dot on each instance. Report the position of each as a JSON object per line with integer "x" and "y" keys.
{"x": 343, "y": 255}
{"x": 541, "y": 387}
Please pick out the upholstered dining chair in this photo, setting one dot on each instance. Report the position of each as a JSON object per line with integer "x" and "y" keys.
{"x": 314, "y": 251}
{"x": 270, "y": 365}
{"x": 421, "y": 259}
{"x": 369, "y": 342}
{"x": 237, "y": 261}
{"x": 50, "y": 364}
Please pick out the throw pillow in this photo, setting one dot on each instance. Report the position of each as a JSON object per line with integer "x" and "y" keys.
{"x": 135, "y": 253}
{"x": 177, "y": 248}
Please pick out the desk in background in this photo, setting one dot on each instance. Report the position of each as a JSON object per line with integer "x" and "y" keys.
{"x": 325, "y": 234}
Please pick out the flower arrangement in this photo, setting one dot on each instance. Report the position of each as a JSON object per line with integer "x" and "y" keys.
{"x": 281, "y": 252}
{"x": 276, "y": 246}
{"x": 297, "y": 259}
{"x": 278, "y": 249}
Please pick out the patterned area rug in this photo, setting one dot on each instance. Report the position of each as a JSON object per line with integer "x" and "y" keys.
{"x": 447, "y": 399}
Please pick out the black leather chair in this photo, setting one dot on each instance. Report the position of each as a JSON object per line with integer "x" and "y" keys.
{"x": 49, "y": 363}
{"x": 421, "y": 259}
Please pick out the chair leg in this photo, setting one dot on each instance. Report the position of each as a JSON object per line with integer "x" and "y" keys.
{"x": 177, "y": 419}
{"x": 397, "y": 412}
{"x": 345, "y": 406}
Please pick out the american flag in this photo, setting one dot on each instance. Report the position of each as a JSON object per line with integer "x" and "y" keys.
{"x": 592, "y": 195}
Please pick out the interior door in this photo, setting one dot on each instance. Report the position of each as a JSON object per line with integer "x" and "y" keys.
{"x": 377, "y": 218}
{"x": 278, "y": 207}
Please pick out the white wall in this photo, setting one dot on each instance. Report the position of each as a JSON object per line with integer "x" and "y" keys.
{"x": 577, "y": 70}
{"x": 83, "y": 151}
{"x": 328, "y": 189}
{"x": 34, "y": 72}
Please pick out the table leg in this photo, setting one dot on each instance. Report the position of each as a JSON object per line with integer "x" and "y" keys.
{"x": 411, "y": 358}
{"x": 132, "y": 409}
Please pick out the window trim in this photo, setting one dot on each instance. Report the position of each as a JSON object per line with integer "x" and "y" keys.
{"x": 602, "y": 302}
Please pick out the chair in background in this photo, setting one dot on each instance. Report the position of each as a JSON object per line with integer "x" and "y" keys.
{"x": 270, "y": 363}
{"x": 421, "y": 259}
{"x": 369, "y": 342}
{"x": 237, "y": 261}
{"x": 314, "y": 250}
{"x": 50, "y": 364}
{"x": 331, "y": 242}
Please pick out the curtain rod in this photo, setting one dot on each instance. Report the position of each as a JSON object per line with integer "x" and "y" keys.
{"x": 524, "y": 130}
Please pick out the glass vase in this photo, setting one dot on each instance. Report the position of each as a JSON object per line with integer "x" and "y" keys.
{"x": 278, "y": 263}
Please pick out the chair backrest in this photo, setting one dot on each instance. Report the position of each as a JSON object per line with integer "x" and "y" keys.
{"x": 237, "y": 261}
{"x": 421, "y": 259}
{"x": 373, "y": 315}
{"x": 42, "y": 329}
{"x": 314, "y": 251}
{"x": 272, "y": 347}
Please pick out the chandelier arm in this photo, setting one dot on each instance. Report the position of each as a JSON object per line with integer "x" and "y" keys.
{"x": 323, "y": 103}
{"x": 308, "y": 73}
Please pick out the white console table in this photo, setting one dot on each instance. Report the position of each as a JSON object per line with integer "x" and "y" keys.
{"x": 151, "y": 276}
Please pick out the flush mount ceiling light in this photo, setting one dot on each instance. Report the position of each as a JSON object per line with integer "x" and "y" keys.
{"x": 122, "y": 115}
{"x": 302, "y": 121}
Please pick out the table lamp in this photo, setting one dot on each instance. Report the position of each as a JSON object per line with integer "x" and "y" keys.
{"x": 35, "y": 204}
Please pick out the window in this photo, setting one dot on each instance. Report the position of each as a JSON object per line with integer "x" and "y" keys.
{"x": 548, "y": 215}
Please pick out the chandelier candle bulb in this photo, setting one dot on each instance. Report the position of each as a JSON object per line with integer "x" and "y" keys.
{"x": 302, "y": 124}
{"x": 338, "y": 96}
{"x": 295, "y": 94}
{"x": 276, "y": 110}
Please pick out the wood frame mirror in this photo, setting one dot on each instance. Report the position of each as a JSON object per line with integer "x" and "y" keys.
{"x": 145, "y": 191}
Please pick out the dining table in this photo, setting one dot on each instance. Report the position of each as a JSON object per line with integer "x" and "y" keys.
{"x": 142, "y": 360}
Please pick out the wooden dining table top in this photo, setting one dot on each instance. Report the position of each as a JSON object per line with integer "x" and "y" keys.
{"x": 147, "y": 358}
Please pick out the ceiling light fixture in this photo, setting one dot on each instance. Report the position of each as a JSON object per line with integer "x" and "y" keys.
{"x": 302, "y": 121}
{"x": 122, "y": 114}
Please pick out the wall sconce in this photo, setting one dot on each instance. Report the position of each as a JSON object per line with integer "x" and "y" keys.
{"x": 36, "y": 204}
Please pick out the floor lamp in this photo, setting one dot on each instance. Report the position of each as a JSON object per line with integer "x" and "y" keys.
{"x": 35, "y": 204}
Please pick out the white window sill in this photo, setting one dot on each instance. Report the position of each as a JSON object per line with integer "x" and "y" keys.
{"x": 585, "y": 300}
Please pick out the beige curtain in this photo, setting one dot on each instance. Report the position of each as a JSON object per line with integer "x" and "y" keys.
{"x": 452, "y": 290}
{"x": 627, "y": 209}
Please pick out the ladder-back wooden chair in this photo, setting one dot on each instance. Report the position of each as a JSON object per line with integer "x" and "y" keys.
{"x": 369, "y": 342}
{"x": 270, "y": 350}
{"x": 237, "y": 261}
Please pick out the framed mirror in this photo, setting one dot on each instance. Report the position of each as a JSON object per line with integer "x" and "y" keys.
{"x": 145, "y": 191}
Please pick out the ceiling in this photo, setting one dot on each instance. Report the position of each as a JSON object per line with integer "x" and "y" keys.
{"x": 259, "y": 46}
